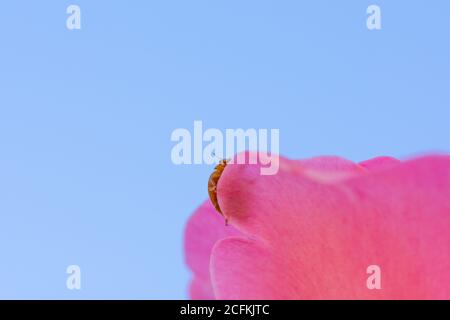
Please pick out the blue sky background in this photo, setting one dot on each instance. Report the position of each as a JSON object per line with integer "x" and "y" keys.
{"x": 86, "y": 116}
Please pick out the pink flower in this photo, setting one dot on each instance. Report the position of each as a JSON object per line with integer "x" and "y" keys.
{"x": 312, "y": 230}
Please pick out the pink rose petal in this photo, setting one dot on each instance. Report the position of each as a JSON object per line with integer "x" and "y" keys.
{"x": 203, "y": 230}
{"x": 311, "y": 231}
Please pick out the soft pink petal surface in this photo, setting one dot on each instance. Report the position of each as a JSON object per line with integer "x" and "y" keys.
{"x": 311, "y": 231}
{"x": 202, "y": 232}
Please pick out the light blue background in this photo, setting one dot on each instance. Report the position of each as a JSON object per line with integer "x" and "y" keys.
{"x": 86, "y": 117}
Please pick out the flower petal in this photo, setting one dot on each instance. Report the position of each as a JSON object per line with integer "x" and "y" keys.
{"x": 313, "y": 237}
{"x": 203, "y": 230}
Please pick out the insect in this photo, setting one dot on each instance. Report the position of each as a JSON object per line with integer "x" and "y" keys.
{"x": 212, "y": 184}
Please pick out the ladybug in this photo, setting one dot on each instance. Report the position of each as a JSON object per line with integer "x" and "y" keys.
{"x": 212, "y": 184}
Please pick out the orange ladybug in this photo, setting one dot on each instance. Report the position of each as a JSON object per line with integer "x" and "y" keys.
{"x": 213, "y": 181}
